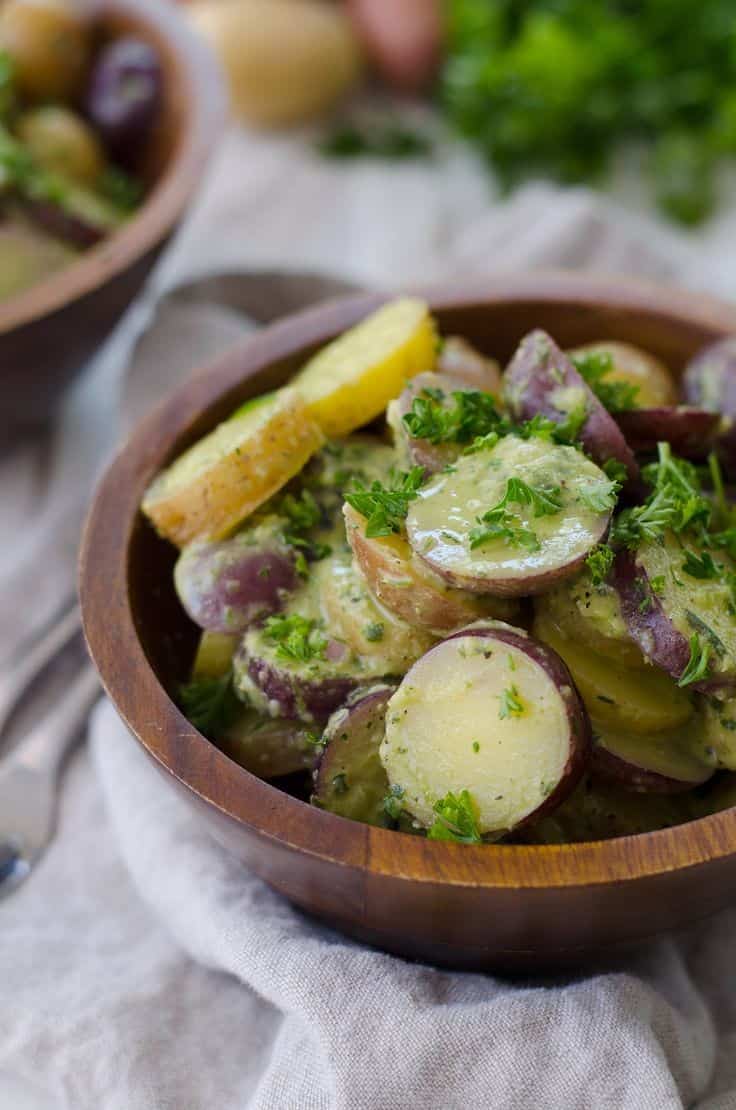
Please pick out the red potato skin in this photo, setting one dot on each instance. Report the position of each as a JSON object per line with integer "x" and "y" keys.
{"x": 581, "y": 737}
{"x": 403, "y": 39}
{"x": 371, "y": 704}
{"x": 540, "y": 368}
{"x": 608, "y": 767}
{"x": 310, "y": 700}
{"x": 691, "y": 432}
{"x": 63, "y": 225}
{"x": 718, "y": 363}
{"x": 226, "y": 586}
{"x": 652, "y": 630}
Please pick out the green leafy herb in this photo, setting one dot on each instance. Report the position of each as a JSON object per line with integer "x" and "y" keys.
{"x": 616, "y": 471}
{"x": 392, "y": 803}
{"x": 675, "y": 504}
{"x": 599, "y": 496}
{"x": 466, "y": 416}
{"x": 698, "y": 665}
{"x": 543, "y": 500}
{"x": 373, "y": 632}
{"x": 386, "y": 507}
{"x": 298, "y": 638}
{"x": 594, "y": 367}
{"x": 700, "y": 565}
{"x": 210, "y": 704}
{"x": 476, "y": 746}
{"x": 599, "y": 563}
{"x": 457, "y": 820}
{"x": 510, "y": 703}
{"x": 122, "y": 190}
{"x": 507, "y": 529}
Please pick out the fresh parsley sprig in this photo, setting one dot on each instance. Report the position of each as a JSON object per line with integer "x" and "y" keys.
{"x": 698, "y": 665}
{"x": 594, "y": 368}
{"x": 460, "y": 418}
{"x": 457, "y": 820}
{"x": 210, "y": 704}
{"x": 599, "y": 563}
{"x": 385, "y": 507}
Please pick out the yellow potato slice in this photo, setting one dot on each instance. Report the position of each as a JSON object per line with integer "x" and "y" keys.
{"x": 351, "y": 380}
{"x": 640, "y": 700}
{"x": 224, "y": 477}
{"x": 214, "y": 655}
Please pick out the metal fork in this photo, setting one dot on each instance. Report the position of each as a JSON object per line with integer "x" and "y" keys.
{"x": 29, "y": 773}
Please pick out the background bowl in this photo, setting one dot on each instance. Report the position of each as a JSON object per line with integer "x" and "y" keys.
{"x": 493, "y": 906}
{"x": 48, "y": 331}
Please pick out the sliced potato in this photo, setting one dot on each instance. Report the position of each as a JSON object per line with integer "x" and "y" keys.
{"x": 400, "y": 582}
{"x": 351, "y": 380}
{"x": 667, "y": 762}
{"x": 493, "y": 712}
{"x": 638, "y": 699}
{"x": 224, "y": 477}
{"x": 353, "y": 614}
{"x": 601, "y": 811}
{"x": 461, "y": 360}
{"x": 268, "y": 747}
{"x": 654, "y": 384}
{"x": 445, "y": 521}
{"x": 591, "y": 617}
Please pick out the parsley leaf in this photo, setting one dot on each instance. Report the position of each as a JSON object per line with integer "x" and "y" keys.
{"x": 457, "y": 820}
{"x": 700, "y": 566}
{"x": 510, "y": 704}
{"x": 698, "y": 665}
{"x": 386, "y": 507}
{"x": 210, "y": 704}
{"x": 472, "y": 414}
{"x": 392, "y": 803}
{"x": 593, "y": 367}
{"x": 505, "y": 528}
{"x": 599, "y": 563}
{"x": 298, "y": 638}
{"x": 599, "y": 496}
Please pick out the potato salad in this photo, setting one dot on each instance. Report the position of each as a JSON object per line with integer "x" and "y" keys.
{"x": 465, "y": 603}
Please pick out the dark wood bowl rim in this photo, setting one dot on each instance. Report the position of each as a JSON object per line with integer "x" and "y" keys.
{"x": 200, "y": 86}
{"x": 150, "y": 714}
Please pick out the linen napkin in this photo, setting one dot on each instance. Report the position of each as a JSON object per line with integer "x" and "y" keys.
{"x": 142, "y": 967}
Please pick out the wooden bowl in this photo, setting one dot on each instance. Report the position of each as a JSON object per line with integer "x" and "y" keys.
{"x": 485, "y": 907}
{"x": 48, "y": 331}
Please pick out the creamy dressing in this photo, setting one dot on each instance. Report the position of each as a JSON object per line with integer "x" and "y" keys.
{"x": 448, "y": 508}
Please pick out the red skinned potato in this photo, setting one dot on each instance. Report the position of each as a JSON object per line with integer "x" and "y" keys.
{"x": 691, "y": 432}
{"x": 350, "y": 779}
{"x": 491, "y": 711}
{"x": 541, "y": 380}
{"x": 410, "y": 590}
{"x": 683, "y": 612}
{"x": 709, "y": 381}
{"x": 226, "y": 586}
{"x": 460, "y": 359}
{"x": 403, "y": 38}
{"x": 668, "y": 762}
{"x": 418, "y": 451}
{"x": 448, "y": 523}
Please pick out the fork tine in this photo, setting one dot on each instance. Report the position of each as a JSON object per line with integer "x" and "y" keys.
{"x": 16, "y": 679}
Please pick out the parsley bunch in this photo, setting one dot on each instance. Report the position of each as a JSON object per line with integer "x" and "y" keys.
{"x": 385, "y": 507}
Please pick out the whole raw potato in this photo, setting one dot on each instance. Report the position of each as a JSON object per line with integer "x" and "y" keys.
{"x": 403, "y": 38}
{"x": 286, "y": 60}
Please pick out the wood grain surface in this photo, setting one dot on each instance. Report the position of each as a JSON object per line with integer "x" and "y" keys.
{"x": 520, "y": 907}
{"x": 48, "y": 331}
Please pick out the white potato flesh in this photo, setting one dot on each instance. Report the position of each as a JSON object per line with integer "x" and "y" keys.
{"x": 449, "y": 729}
{"x": 449, "y": 508}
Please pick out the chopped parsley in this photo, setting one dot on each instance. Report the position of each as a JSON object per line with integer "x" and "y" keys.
{"x": 392, "y": 803}
{"x": 385, "y": 507}
{"x": 476, "y": 746}
{"x": 373, "y": 632}
{"x": 499, "y": 524}
{"x": 505, "y": 528}
{"x": 457, "y": 820}
{"x": 298, "y": 638}
{"x": 599, "y": 496}
{"x": 599, "y": 563}
{"x": 594, "y": 367}
{"x": 701, "y": 566}
{"x": 510, "y": 703}
{"x": 302, "y": 514}
{"x": 469, "y": 415}
{"x": 210, "y": 704}
{"x": 698, "y": 665}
